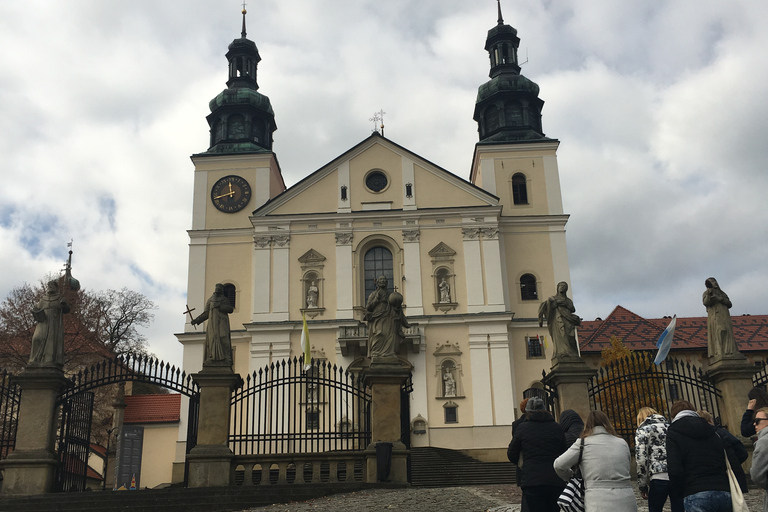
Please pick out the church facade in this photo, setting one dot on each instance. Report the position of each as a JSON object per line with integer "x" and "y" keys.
{"x": 473, "y": 258}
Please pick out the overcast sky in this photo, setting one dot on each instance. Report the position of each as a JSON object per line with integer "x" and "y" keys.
{"x": 660, "y": 108}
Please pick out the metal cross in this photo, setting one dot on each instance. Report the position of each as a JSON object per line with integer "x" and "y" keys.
{"x": 189, "y": 312}
{"x": 378, "y": 117}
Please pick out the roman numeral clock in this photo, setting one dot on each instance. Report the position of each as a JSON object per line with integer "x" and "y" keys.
{"x": 231, "y": 194}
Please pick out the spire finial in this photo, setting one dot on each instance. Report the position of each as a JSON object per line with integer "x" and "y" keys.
{"x": 498, "y": 3}
{"x": 244, "y": 13}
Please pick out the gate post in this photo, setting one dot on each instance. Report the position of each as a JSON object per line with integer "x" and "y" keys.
{"x": 386, "y": 379}
{"x": 571, "y": 377}
{"x": 31, "y": 468}
{"x": 210, "y": 460}
{"x": 733, "y": 377}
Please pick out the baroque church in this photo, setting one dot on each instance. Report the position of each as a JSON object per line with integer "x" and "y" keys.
{"x": 473, "y": 257}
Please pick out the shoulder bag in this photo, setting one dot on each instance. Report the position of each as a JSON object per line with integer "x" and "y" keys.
{"x": 572, "y": 497}
{"x": 737, "y": 498}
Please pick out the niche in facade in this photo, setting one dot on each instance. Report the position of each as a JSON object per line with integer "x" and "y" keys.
{"x": 448, "y": 371}
{"x": 312, "y": 283}
{"x": 443, "y": 277}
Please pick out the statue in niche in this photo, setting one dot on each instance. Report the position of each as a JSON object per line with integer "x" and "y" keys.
{"x": 558, "y": 311}
{"x": 445, "y": 291}
{"x": 312, "y": 295}
{"x": 449, "y": 384}
{"x": 218, "y": 344}
{"x": 720, "y": 341}
{"x": 48, "y": 339}
{"x": 386, "y": 320}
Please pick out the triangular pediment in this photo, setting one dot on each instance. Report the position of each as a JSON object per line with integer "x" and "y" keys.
{"x": 447, "y": 349}
{"x": 377, "y": 174}
{"x": 442, "y": 250}
{"x": 311, "y": 256}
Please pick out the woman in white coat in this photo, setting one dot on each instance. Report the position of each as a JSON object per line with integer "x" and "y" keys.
{"x": 604, "y": 467}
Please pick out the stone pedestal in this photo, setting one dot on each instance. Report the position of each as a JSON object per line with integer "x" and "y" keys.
{"x": 31, "y": 468}
{"x": 210, "y": 460}
{"x": 570, "y": 376}
{"x": 733, "y": 377}
{"x": 386, "y": 377}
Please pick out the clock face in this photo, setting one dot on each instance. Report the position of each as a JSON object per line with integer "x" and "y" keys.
{"x": 231, "y": 194}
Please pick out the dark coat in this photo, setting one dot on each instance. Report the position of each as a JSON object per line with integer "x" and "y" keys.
{"x": 737, "y": 454}
{"x": 695, "y": 457}
{"x": 539, "y": 440}
{"x": 747, "y": 427}
{"x": 572, "y": 425}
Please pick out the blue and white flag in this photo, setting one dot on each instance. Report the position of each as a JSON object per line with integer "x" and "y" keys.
{"x": 665, "y": 342}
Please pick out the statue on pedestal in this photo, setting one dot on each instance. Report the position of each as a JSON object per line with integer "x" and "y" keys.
{"x": 720, "y": 341}
{"x": 449, "y": 384}
{"x": 445, "y": 291}
{"x": 218, "y": 344}
{"x": 312, "y": 295}
{"x": 386, "y": 320}
{"x": 558, "y": 311}
{"x": 48, "y": 339}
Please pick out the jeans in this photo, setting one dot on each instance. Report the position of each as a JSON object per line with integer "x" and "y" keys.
{"x": 658, "y": 491}
{"x": 708, "y": 501}
{"x": 541, "y": 498}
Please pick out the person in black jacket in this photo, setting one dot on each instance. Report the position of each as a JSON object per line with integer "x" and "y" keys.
{"x": 735, "y": 449}
{"x": 696, "y": 461}
{"x": 758, "y": 399}
{"x": 572, "y": 425}
{"x": 539, "y": 440}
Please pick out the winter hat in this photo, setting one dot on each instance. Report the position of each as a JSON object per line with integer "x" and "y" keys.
{"x": 535, "y": 404}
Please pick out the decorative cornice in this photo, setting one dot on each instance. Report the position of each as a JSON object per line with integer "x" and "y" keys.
{"x": 262, "y": 242}
{"x": 470, "y": 233}
{"x": 411, "y": 235}
{"x": 344, "y": 238}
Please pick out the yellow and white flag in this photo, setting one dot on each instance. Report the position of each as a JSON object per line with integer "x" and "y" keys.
{"x": 305, "y": 342}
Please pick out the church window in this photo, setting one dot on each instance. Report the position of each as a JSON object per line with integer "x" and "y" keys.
{"x": 451, "y": 412}
{"x": 376, "y": 181}
{"x": 535, "y": 347}
{"x": 378, "y": 262}
{"x": 519, "y": 189}
{"x": 528, "y": 287}
{"x": 343, "y": 192}
{"x": 231, "y": 294}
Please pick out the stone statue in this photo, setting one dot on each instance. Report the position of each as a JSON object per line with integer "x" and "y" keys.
{"x": 312, "y": 294}
{"x": 445, "y": 291}
{"x": 720, "y": 341}
{"x": 386, "y": 320}
{"x": 449, "y": 385}
{"x": 218, "y": 344}
{"x": 48, "y": 339}
{"x": 558, "y": 310}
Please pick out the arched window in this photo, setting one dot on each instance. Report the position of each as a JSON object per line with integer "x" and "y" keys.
{"x": 236, "y": 127}
{"x": 377, "y": 262}
{"x": 491, "y": 115}
{"x": 231, "y": 294}
{"x": 519, "y": 189}
{"x": 528, "y": 287}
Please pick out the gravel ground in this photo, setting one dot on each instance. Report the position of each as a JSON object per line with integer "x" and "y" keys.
{"x": 485, "y": 498}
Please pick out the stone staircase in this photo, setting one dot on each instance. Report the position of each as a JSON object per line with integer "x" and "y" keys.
{"x": 440, "y": 467}
{"x": 176, "y": 499}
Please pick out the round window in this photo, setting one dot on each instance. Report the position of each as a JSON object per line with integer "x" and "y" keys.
{"x": 376, "y": 181}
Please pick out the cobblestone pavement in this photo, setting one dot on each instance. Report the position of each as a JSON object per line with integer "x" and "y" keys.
{"x": 485, "y": 498}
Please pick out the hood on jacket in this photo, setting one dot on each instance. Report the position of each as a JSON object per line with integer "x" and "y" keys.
{"x": 655, "y": 419}
{"x": 569, "y": 419}
{"x": 694, "y": 427}
{"x": 539, "y": 416}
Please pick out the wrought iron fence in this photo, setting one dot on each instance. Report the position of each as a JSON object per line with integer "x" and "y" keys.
{"x": 760, "y": 378}
{"x": 286, "y": 408}
{"x": 75, "y": 442}
{"x": 622, "y": 387}
{"x": 10, "y": 398}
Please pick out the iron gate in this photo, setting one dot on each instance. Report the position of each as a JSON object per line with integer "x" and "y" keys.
{"x": 72, "y": 471}
{"x": 622, "y": 387}
{"x": 10, "y": 398}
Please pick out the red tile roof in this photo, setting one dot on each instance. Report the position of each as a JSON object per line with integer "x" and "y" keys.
{"x": 638, "y": 333}
{"x": 152, "y": 408}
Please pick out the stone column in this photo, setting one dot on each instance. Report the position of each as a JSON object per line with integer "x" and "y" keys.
{"x": 570, "y": 377}
{"x": 31, "y": 468}
{"x": 210, "y": 460}
{"x": 733, "y": 377}
{"x": 385, "y": 379}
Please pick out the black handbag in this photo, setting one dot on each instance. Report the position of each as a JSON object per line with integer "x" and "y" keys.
{"x": 572, "y": 497}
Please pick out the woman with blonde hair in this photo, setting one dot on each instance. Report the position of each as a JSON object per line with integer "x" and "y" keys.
{"x": 651, "y": 457}
{"x": 604, "y": 466}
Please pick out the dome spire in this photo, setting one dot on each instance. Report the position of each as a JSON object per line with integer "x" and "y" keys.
{"x": 498, "y": 3}
{"x": 243, "y": 33}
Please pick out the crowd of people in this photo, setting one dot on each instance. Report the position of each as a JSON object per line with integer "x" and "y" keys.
{"x": 687, "y": 461}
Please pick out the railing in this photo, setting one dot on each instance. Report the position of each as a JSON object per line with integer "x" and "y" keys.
{"x": 624, "y": 386}
{"x": 10, "y": 398}
{"x": 286, "y": 408}
{"x": 307, "y": 468}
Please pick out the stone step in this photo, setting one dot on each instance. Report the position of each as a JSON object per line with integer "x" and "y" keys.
{"x": 441, "y": 467}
